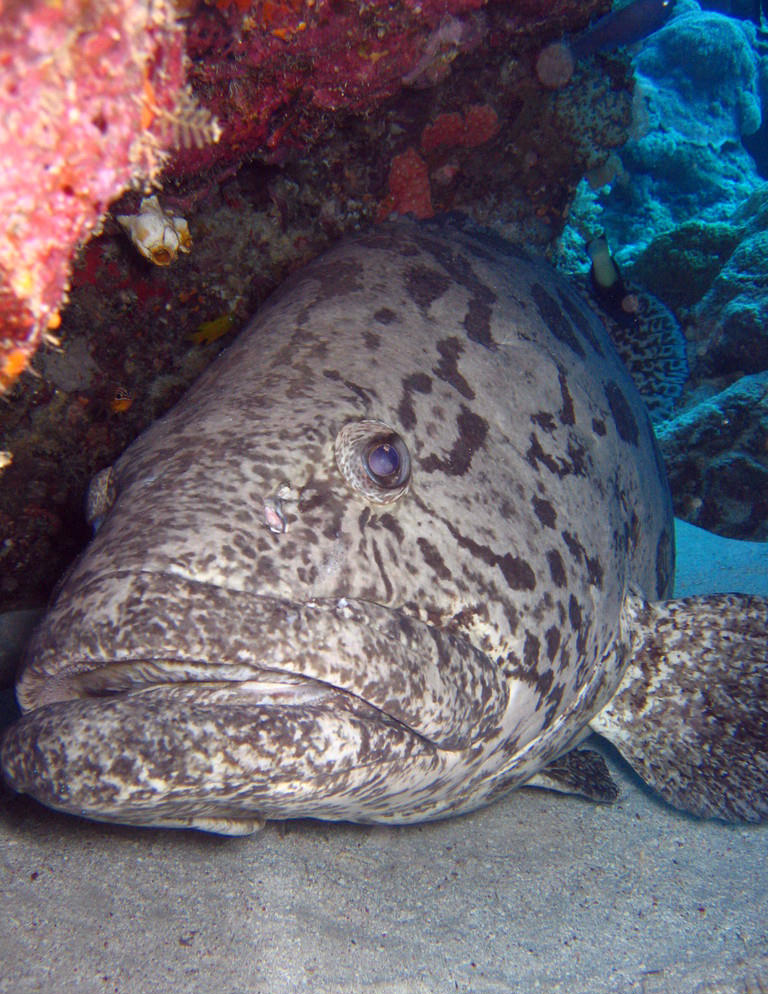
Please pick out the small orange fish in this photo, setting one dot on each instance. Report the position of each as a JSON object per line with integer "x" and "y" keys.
{"x": 121, "y": 401}
{"x": 209, "y": 331}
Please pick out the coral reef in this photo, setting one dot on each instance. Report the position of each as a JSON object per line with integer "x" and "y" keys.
{"x": 716, "y": 454}
{"x": 699, "y": 249}
{"x": 723, "y": 297}
{"x": 97, "y": 96}
{"x": 708, "y": 61}
{"x": 698, "y": 81}
{"x": 409, "y": 188}
{"x": 477, "y": 125}
{"x": 85, "y": 95}
{"x": 687, "y": 215}
{"x": 731, "y": 319}
{"x": 715, "y": 275}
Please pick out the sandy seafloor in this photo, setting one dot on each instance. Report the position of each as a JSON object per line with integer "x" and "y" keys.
{"x": 539, "y": 892}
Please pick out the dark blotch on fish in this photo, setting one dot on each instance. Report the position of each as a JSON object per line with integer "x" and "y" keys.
{"x": 433, "y": 559}
{"x": 425, "y": 285}
{"x": 385, "y": 315}
{"x": 472, "y": 432}
{"x": 544, "y": 512}
{"x": 448, "y": 368}
{"x": 623, "y": 418}
{"x": 556, "y": 568}
{"x": 555, "y": 320}
{"x": 417, "y": 383}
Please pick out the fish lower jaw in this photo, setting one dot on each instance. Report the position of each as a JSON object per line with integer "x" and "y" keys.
{"x": 220, "y": 758}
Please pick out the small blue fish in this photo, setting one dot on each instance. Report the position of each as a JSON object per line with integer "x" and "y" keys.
{"x": 557, "y": 61}
{"x": 625, "y": 26}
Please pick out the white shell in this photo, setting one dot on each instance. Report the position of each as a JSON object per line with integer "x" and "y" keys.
{"x": 157, "y": 235}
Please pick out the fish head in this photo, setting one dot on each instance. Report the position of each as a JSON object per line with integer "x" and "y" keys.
{"x": 319, "y": 461}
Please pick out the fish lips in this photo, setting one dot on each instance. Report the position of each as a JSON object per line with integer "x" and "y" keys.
{"x": 128, "y": 631}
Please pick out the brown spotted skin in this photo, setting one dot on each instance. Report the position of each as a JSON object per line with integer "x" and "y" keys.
{"x": 362, "y": 661}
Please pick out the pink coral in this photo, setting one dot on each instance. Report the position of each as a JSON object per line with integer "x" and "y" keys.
{"x": 408, "y": 187}
{"x": 477, "y": 125}
{"x": 82, "y": 87}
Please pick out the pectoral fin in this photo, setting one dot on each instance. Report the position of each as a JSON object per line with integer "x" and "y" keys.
{"x": 580, "y": 771}
{"x": 691, "y": 713}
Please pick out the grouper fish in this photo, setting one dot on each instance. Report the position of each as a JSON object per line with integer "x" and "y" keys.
{"x": 400, "y": 549}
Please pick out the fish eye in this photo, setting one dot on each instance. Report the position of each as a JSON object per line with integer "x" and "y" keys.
{"x": 374, "y": 460}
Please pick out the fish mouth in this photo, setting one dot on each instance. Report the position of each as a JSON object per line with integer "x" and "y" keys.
{"x": 333, "y": 708}
{"x": 167, "y": 630}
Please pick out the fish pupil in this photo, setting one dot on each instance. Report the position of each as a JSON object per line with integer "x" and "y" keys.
{"x": 384, "y": 460}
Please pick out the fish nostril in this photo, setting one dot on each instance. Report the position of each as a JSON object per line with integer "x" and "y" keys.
{"x": 276, "y": 508}
{"x": 274, "y": 518}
